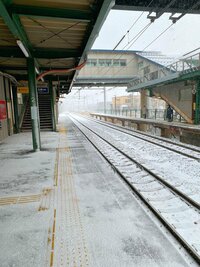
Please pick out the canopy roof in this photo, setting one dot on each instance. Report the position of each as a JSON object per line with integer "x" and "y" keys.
{"x": 57, "y": 34}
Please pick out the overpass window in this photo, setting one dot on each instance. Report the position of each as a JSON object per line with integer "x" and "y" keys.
{"x": 122, "y": 62}
{"x": 146, "y": 70}
{"x": 140, "y": 64}
{"x": 92, "y": 62}
{"x": 153, "y": 75}
{"x": 105, "y": 62}
{"x": 119, "y": 62}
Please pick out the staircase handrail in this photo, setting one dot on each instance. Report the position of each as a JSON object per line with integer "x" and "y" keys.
{"x": 21, "y": 117}
{"x": 183, "y": 65}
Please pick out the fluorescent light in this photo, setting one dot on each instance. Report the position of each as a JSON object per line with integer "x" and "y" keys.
{"x": 21, "y": 46}
{"x": 36, "y": 70}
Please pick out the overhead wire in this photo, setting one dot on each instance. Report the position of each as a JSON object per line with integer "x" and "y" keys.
{"x": 132, "y": 26}
{"x": 135, "y": 38}
{"x": 149, "y": 44}
{"x": 158, "y": 36}
{"x": 138, "y": 35}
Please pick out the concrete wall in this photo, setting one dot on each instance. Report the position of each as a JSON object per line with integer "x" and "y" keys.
{"x": 135, "y": 65}
{"x": 4, "y": 123}
{"x": 118, "y": 71}
{"x": 179, "y": 96}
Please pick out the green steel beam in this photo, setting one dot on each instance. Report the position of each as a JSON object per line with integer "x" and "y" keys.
{"x": 54, "y": 78}
{"x": 22, "y": 32}
{"x": 14, "y": 68}
{"x": 11, "y": 51}
{"x": 8, "y": 21}
{"x": 48, "y": 53}
{"x": 94, "y": 28}
{"x": 81, "y": 15}
{"x": 20, "y": 28}
{"x": 188, "y": 76}
{"x": 34, "y": 104}
{"x": 197, "y": 103}
{"x": 7, "y": 2}
{"x": 12, "y": 26}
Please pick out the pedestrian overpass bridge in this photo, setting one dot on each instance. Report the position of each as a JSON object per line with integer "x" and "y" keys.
{"x": 151, "y": 73}
{"x": 118, "y": 67}
{"x": 178, "y": 84}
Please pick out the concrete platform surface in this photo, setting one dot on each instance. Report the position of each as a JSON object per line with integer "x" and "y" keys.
{"x": 65, "y": 206}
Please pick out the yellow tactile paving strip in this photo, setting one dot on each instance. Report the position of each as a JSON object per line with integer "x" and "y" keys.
{"x": 19, "y": 199}
{"x": 68, "y": 244}
{"x": 44, "y": 198}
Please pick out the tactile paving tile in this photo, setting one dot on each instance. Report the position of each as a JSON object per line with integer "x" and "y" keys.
{"x": 68, "y": 246}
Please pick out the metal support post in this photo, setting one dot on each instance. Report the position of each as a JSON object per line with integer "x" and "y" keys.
{"x": 33, "y": 104}
{"x": 16, "y": 114}
{"x": 104, "y": 102}
{"x": 52, "y": 105}
{"x": 197, "y": 103}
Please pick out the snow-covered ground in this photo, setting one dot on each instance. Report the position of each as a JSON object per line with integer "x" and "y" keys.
{"x": 23, "y": 173}
{"x": 84, "y": 217}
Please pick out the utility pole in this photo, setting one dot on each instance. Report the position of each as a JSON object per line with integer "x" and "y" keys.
{"x": 115, "y": 103}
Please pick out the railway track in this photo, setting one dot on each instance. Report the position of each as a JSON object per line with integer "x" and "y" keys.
{"x": 182, "y": 149}
{"x": 178, "y": 212}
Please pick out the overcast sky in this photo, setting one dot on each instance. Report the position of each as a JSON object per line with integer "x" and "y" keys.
{"x": 181, "y": 38}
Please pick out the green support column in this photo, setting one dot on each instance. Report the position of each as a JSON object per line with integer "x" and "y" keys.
{"x": 16, "y": 114}
{"x": 52, "y": 105}
{"x": 33, "y": 104}
{"x": 197, "y": 104}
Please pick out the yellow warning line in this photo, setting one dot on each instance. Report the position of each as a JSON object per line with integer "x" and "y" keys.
{"x": 53, "y": 239}
{"x": 56, "y": 168}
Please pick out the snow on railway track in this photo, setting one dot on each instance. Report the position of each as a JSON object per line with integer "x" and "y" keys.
{"x": 176, "y": 210}
{"x": 180, "y": 171}
{"x": 177, "y": 147}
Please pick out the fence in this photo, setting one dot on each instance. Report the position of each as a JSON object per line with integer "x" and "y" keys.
{"x": 154, "y": 114}
{"x": 183, "y": 65}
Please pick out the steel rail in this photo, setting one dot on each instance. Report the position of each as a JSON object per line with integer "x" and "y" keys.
{"x": 131, "y": 133}
{"x": 188, "y": 247}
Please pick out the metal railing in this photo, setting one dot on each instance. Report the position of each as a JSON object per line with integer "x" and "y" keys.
{"x": 154, "y": 114}
{"x": 182, "y": 66}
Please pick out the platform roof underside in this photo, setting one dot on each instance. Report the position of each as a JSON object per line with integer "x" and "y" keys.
{"x": 160, "y": 6}
{"x": 59, "y": 33}
{"x": 56, "y": 33}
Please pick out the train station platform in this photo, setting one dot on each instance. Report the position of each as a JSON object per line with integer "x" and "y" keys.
{"x": 65, "y": 206}
{"x": 187, "y": 133}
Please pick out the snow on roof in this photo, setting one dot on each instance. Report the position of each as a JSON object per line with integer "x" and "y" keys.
{"x": 157, "y": 57}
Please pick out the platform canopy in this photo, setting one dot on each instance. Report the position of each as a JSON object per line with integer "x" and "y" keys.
{"x": 57, "y": 34}
{"x": 160, "y": 6}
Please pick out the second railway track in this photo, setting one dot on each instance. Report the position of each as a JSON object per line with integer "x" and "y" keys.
{"x": 180, "y": 148}
{"x": 178, "y": 212}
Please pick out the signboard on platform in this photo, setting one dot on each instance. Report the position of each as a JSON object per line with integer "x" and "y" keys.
{"x": 25, "y": 90}
{"x": 43, "y": 90}
{"x": 22, "y": 90}
{"x": 3, "y": 113}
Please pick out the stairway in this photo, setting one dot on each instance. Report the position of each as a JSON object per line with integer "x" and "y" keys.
{"x": 45, "y": 114}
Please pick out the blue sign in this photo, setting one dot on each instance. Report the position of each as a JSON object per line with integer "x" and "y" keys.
{"x": 43, "y": 90}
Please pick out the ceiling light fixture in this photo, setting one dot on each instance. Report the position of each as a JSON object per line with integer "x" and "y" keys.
{"x": 22, "y": 47}
{"x": 36, "y": 70}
